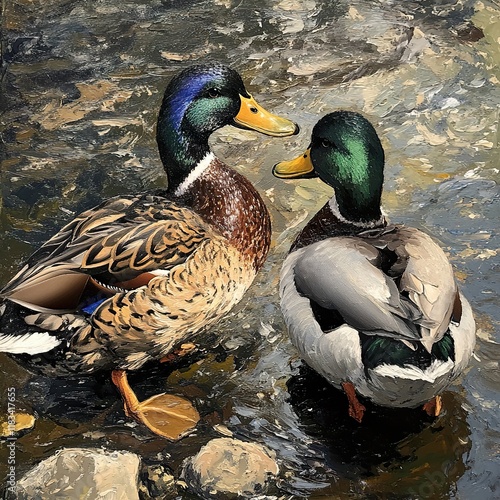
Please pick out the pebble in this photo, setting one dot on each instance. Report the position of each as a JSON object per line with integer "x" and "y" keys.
{"x": 227, "y": 468}
{"x": 157, "y": 482}
{"x": 16, "y": 424}
{"x": 84, "y": 474}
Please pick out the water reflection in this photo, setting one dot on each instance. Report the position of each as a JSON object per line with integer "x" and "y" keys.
{"x": 80, "y": 91}
{"x": 392, "y": 448}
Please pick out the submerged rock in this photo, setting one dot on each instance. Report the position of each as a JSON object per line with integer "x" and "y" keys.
{"x": 16, "y": 424}
{"x": 230, "y": 468}
{"x": 83, "y": 473}
{"x": 157, "y": 482}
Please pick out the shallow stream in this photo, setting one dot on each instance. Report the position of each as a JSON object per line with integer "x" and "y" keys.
{"x": 81, "y": 86}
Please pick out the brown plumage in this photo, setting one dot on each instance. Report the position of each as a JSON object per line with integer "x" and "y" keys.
{"x": 170, "y": 268}
{"x": 138, "y": 277}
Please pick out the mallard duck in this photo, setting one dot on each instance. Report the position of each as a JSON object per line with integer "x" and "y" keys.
{"x": 138, "y": 277}
{"x": 371, "y": 306}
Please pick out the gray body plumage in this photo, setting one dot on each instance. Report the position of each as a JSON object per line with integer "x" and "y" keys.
{"x": 344, "y": 274}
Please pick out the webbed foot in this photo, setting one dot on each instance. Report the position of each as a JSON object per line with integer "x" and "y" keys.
{"x": 434, "y": 406}
{"x": 166, "y": 415}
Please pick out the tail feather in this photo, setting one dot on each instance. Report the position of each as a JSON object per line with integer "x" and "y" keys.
{"x": 28, "y": 343}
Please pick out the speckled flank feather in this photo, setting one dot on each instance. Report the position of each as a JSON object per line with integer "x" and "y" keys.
{"x": 168, "y": 271}
{"x": 136, "y": 326}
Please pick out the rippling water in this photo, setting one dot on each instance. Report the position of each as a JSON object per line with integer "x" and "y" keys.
{"x": 81, "y": 85}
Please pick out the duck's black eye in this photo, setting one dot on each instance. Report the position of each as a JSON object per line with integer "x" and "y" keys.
{"x": 213, "y": 93}
{"x": 326, "y": 143}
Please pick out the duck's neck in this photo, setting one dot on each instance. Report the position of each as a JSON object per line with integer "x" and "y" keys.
{"x": 329, "y": 222}
{"x": 369, "y": 217}
{"x": 229, "y": 202}
{"x": 181, "y": 147}
{"x": 359, "y": 207}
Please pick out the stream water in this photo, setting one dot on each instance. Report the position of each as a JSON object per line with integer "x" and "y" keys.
{"x": 81, "y": 86}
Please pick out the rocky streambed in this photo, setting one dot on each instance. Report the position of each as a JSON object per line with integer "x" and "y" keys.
{"x": 81, "y": 85}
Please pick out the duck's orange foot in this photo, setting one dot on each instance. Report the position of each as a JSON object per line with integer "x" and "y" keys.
{"x": 433, "y": 407}
{"x": 179, "y": 353}
{"x": 356, "y": 409}
{"x": 168, "y": 416}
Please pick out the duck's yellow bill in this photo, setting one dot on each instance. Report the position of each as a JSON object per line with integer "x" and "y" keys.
{"x": 298, "y": 167}
{"x": 254, "y": 117}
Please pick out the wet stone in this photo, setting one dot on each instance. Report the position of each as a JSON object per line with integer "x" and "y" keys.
{"x": 83, "y": 473}
{"x": 156, "y": 482}
{"x": 229, "y": 468}
{"x": 16, "y": 425}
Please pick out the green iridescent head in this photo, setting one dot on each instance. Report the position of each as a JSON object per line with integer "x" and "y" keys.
{"x": 197, "y": 102}
{"x": 346, "y": 153}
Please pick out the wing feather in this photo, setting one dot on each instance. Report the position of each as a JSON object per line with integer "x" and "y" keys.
{"x": 342, "y": 273}
{"x": 427, "y": 277}
{"x": 115, "y": 242}
{"x": 396, "y": 282}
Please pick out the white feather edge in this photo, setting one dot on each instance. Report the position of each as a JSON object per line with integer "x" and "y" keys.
{"x": 431, "y": 374}
{"x": 29, "y": 343}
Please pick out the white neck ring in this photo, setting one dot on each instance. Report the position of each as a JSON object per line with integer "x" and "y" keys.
{"x": 334, "y": 207}
{"x": 195, "y": 174}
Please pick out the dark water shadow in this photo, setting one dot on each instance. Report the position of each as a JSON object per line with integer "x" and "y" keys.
{"x": 68, "y": 400}
{"x": 387, "y": 441}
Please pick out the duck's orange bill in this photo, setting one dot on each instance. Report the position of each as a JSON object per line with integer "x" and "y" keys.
{"x": 254, "y": 117}
{"x": 298, "y": 167}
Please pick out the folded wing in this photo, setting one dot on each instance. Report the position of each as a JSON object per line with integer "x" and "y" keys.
{"x": 120, "y": 245}
{"x": 393, "y": 283}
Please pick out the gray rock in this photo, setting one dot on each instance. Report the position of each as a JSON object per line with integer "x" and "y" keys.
{"x": 84, "y": 474}
{"x": 230, "y": 468}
